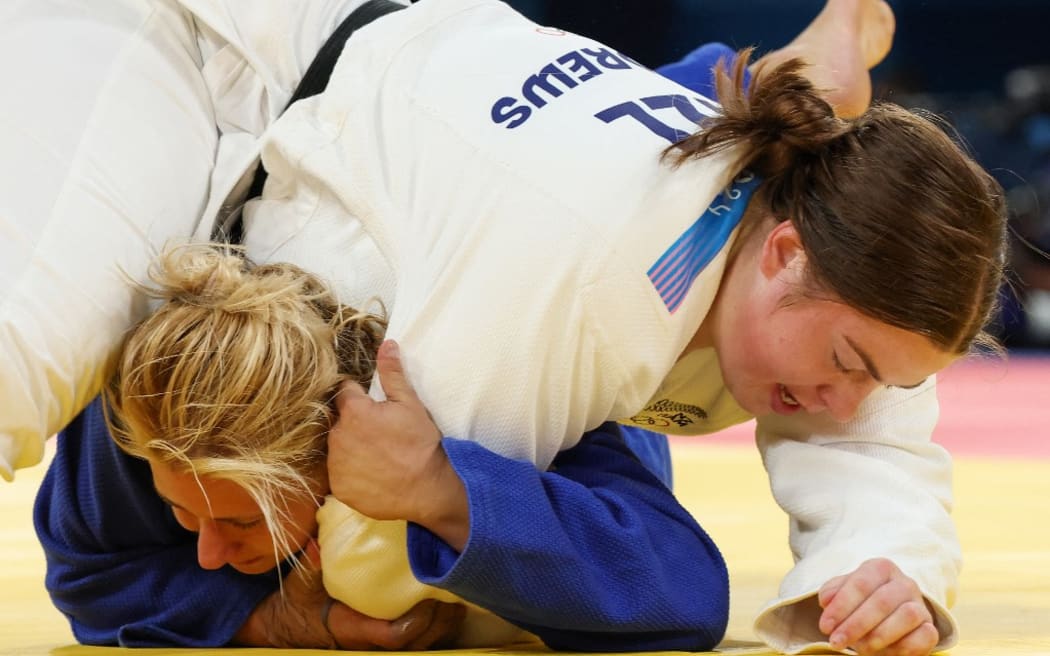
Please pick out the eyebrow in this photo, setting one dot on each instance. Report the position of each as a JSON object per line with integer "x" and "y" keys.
{"x": 873, "y": 371}
{"x": 228, "y": 520}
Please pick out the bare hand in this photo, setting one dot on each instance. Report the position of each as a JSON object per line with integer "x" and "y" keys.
{"x": 293, "y": 619}
{"x": 386, "y": 461}
{"x": 430, "y": 624}
{"x": 877, "y": 611}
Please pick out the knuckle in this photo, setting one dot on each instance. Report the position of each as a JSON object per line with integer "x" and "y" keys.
{"x": 868, "y": 647}
{"x": 876, "y": 641}
{"x": 391, "y": 642}
{"x": 927, "y": 636}
{"x": 905, "y": 592}
{"x": 919, "y": 642}
{"x": 864, "y": 587}
{"x": 914, "y": 612}
{"x": 902, "y": 590}
{"x": 882, "y": 567}
{"x": 389, "y": 638}
{"x": 885, "y": 602}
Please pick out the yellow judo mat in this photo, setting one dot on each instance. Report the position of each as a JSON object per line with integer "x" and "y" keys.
{"x": 1002, "y": 510}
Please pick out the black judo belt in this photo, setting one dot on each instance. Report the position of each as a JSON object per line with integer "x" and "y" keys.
{"x": 317, "y": 75}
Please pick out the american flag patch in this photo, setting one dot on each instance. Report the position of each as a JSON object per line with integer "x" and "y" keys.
{"x": 673, "y": 274}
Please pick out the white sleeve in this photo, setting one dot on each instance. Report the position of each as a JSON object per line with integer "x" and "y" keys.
{"x": 108, "y": 142}
{"x": 876, "y": 486}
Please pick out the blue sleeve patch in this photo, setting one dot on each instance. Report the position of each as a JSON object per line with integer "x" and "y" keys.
{"x": 673, "y": 274}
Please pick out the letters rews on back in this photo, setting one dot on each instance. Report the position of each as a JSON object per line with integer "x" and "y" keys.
{"x": 554, "y": 79}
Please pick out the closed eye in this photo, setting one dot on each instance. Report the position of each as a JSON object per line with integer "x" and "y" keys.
{"x": 188, "y": 521}
{"x": 242, "y": 525}
{"x": 838, "y": 363}
{"x": 854, "y": 373}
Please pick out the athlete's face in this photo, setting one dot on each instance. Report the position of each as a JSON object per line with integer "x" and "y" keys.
{"x": 783, "y": 353}
{"x": 229, "y": 524}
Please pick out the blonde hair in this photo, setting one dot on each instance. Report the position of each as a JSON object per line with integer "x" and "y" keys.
{"x": 234, "y": 376}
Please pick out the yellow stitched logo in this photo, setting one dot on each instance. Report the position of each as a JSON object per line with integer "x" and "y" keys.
{"x": 665, "y": 412}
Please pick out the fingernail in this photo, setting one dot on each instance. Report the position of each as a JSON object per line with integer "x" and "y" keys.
{"x": 838, "y": 641}
{"x": 392, "y": 349}
{"x": 404, "y": 624}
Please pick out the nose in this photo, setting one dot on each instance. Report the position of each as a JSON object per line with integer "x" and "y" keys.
{"x": 213, "y": 549}
{"x": 842, "y": 399}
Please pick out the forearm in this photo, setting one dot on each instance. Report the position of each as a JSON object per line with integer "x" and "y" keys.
{"x": 874, "y": 488}
{"x": 613, "y": 561}
{"x": 149, "y": 596}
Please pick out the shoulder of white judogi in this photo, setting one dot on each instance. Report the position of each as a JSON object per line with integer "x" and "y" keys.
{"x": 253, "y": 56}
{"x": 255, "y": 53}
{"x": 572, "y": 127}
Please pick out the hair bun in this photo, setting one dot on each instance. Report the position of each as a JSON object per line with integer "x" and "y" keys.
{"x": 779, "y": 121}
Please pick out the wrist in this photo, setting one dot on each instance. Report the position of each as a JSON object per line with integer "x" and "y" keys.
{"x": 253, "y": 633}
{"x": 441, "y": 505}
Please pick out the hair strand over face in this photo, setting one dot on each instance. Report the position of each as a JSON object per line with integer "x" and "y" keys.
{"x": 234, "y": 376}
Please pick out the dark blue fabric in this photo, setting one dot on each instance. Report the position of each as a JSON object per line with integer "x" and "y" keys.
{"x": 118, "y": 564}
{"x": 594, "y": 555}
{"x": 694, "y": 70}
{"x": 652, "y": 449}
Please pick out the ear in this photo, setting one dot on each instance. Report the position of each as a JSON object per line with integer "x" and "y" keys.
{"x": 782, "y": 251}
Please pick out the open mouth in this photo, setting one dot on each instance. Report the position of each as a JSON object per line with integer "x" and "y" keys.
{"x": 786, "y": 397}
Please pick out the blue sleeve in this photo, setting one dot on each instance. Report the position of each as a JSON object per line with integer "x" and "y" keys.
{"x": 695, "y": 70}
{"x": 652, "y": 449}
{"x": 118, "y": 564}
{"x": 593, "y": 555}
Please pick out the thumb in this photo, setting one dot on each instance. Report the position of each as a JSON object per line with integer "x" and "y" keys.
{"x": 392, "y": 373}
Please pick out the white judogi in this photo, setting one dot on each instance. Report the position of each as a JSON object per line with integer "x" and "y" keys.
{"x": 521, "y": 265}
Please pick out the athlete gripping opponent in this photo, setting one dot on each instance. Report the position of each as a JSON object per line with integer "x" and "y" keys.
{"x": 580, "y": 75}
{"x": 780, "y": 291}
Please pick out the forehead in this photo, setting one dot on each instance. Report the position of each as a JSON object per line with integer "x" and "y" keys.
{"x": 203, "y": 496}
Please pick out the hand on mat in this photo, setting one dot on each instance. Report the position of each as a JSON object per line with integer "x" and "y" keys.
{"x": 430, "y": 624}
{"x": 292, "y": 619}
{"x": 385, "y": 458}
{"x": 877, "y": 611}
{"x": 304, "y": 617}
